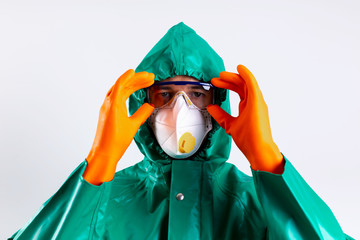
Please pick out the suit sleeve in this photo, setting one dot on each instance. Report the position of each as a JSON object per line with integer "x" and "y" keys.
{"x": 292, "y": 209}
{"x": 68, "y": 214}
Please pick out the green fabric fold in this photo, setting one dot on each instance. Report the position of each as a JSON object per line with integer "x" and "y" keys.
{"x": 69, "y": 212}
{"x": 293, "y": 199}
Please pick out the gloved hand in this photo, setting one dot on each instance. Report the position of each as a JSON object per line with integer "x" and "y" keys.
{"x": 115, "y": 129}
{"x": 250, "y": 130}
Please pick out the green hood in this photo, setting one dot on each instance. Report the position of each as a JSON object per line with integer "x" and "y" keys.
{"x": 182, "y": 52}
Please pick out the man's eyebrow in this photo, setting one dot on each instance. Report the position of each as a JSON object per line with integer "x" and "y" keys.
{"x": 197, "y": 87}
{"x": 163, "y": 87}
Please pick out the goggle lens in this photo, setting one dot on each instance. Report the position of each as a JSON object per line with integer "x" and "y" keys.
{"x": 201, "y": 94}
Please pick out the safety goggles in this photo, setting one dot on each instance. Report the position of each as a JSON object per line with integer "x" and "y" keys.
{"x": 200, "y": 94}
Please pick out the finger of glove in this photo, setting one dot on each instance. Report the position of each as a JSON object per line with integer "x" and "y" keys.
{"x": 110, "y": 91}
{"x": 220, "y": 116}
{"x": 250, "y": 81}
{"x": 231, "y": 81}
{"x": 121, "y": 81}
{"x": 138, "y": 81}
{"x": 142, "y": 114}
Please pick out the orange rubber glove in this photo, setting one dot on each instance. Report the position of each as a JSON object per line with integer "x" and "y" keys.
{"x": 115, "y": 129}
{"x": 251, "y": 129}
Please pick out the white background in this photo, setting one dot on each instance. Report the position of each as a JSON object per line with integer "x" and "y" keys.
{"x": 59, "y": 58}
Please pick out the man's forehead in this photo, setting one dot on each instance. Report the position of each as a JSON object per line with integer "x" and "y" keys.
{"x": 177, "y": 87}
{"x": 181, "y": 78}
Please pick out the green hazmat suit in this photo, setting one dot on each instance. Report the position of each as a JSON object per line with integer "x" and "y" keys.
{"x": 220, "y": 202}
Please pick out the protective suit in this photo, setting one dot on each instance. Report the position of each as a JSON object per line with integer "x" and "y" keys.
{"x": 200, "y": 197}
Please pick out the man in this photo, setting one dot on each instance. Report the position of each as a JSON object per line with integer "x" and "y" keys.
{"x": 183, "y": 188}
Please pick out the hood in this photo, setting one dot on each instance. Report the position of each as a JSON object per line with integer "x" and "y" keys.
{"x": 182, "y": 52}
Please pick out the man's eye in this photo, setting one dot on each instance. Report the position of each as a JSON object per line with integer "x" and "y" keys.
{"x": 197, "y": 94}
{"x": 165, "y": 94}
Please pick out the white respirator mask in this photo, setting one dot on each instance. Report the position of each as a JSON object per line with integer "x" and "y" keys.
{"x": 179, "y": 126}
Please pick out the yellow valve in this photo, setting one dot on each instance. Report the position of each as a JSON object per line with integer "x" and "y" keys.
{"x": 186, "y": 143}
